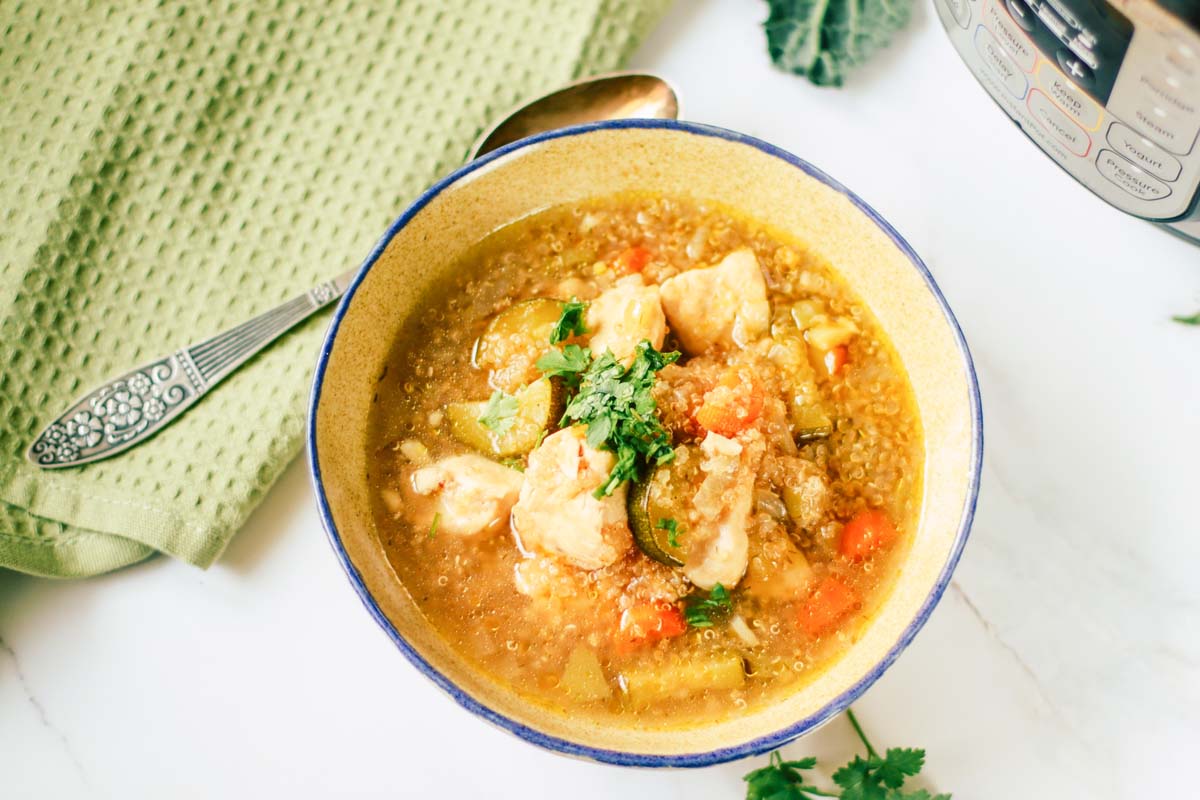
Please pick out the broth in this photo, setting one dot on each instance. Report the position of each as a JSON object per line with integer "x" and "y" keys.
{"x": 621, "y": 607}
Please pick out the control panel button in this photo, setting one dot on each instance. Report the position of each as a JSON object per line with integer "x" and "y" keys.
{"x": 1143, "y": 152}
{"x": 1184, "y": 59}
{"x": 1021, "y": 13}
{"x": 1054, "y": 22}
{"x": 1074, "y": 67}
{"x": 1130, "y": 178}
{"x": 998, "y": 62}
{"x": 961, "y": 11}
{"x": 1064, "y": 129}
{"x": 1156, "y": 94}
{"x": 1170, "y": 91}
{"x": 1063, "y": 11}
{"x": 1011, "y": 37}
{"x": 1079, "y": 106}
{"x": 1174, "y": 130}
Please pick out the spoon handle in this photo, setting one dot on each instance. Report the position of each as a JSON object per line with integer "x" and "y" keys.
{"x": 131, "y": 408}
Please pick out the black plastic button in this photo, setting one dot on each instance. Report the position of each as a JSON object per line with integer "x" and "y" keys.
{"x": 1073, "y": 67}
{"x": 1021, "y": 13}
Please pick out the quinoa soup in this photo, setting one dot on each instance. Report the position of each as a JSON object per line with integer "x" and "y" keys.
{"x": 645, "y": 460}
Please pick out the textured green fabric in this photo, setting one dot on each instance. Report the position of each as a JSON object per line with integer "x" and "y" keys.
{"x": 171, "y": 168}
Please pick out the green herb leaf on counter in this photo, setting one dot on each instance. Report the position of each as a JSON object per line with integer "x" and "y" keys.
{"x": 821, "y": 39}
{"x": 619, "y": 410}
{"x": 872, "y": 777}
{"x": 781, "y": 780}
{"x": 1194, "y": 319}
{"x": 700, "y": 613}
{"x": 672, "y": 528}
{"x": 570, "y": 323}
{"x": 865, "y": 778}
{"x": 500, "y": 413}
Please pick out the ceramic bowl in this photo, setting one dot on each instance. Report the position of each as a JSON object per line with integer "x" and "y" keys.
{"x": 766, "y": 184}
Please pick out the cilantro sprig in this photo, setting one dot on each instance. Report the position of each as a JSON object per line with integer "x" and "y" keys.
{"x": 672, "y": 528}
{"x": 873, "y": 777}
{"x": 616, "y": 404}
{"x": 570, "y": 323}
{"x": 500, "y": 413}
{"x": 1194, "y": 319}
{"x": 568, "y": 363}
{"x": 701, "y": 612}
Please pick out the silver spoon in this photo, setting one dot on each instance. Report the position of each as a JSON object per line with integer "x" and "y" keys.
{"x": 131, "y": 408}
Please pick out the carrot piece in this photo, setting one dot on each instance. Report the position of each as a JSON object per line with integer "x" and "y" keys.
{"x": 647, "y": 623}
{"x": 826, "y": 607}
{"x": 834, "y": 359}
{"x": 865, "y": 533}
{"x": 733, "y": 405}
{"x": 633, "y": 259}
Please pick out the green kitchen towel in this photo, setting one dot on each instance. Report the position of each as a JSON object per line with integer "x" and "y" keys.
{"x": 170, "y": 168}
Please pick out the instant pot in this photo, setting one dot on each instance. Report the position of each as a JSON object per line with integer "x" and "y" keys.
{"x": 1108, "y": 89}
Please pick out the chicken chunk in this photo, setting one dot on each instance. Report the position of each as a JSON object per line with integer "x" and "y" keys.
{"x": 724, "y": 305}
{"x": 623, "y": 316}
{"x": 779, "y": 570}
{"x": 557, "y": 514}
{"x": 720, "y": 544}
{"x": 471, "y": 494}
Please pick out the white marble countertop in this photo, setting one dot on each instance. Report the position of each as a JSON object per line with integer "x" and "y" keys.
{"x": 1064, "y": 662}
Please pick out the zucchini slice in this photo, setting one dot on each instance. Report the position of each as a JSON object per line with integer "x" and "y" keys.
{"x": 809, "y": 421}
{"x": 665, "y": 493}
{"x": 512, "y": 342}
{"x": 539, "y": 407}
{"x": 806, "y": 408}
{"x": 679, "y": 678}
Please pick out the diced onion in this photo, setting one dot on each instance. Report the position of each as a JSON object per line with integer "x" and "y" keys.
{"x": 695, "y": 247}
{"x": 738, "y": 625}
{"x": 770, "y": 503}
{"x": 828, "y": 335}
{"x": 393, "y": 500}
{"x": 415, "y": 452}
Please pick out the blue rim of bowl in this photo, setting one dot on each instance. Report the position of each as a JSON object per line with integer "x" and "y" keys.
{"x": 756, "y": 746}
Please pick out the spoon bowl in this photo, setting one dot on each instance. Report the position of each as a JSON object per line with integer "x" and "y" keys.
{"x": 617, "y": 95}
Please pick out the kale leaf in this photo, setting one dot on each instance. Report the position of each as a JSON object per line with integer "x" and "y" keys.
{"x": 822, "y": 39}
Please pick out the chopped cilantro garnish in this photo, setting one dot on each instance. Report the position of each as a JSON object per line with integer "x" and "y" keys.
{"x": 566, "y": 363}
{"x": 500, "y": 413}
{"x": 437, "y": 517}
{"x": 570, "y": 323}
{"x": 700, "y": 613}
{"x": 1194, "y": 319}
{"x": 874, "y": 777}
{"x": 672, "y": 528}
{"x": 618, "y": 408}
